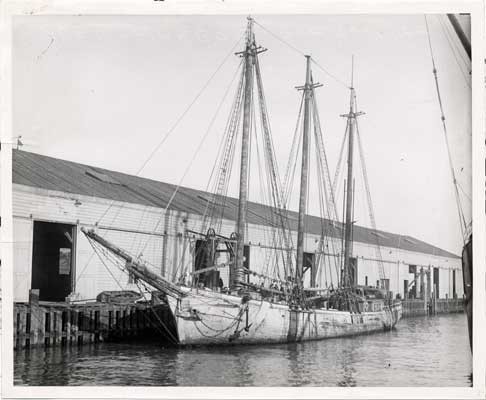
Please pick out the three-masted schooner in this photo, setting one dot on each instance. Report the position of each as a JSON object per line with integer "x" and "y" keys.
{"x": 289, "y": 312}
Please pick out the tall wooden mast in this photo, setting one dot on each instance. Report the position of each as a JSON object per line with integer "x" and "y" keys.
{"x": 249, "y": 54}
{"x": 348, "y": 229}
{"x": 304, "y": 172}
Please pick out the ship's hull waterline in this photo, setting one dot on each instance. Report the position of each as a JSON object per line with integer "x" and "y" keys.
{"x": 203, "y": 317}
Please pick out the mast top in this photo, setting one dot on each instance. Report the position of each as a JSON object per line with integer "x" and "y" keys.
{"x": 309, "y": 85}
{"x": 352, "y": 101}
{"x": 251, "y": 49}
{"x": 352, "y": 72}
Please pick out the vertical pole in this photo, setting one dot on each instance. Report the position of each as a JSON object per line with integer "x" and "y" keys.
{"x": 341, "y": 278}
{"x": 349, "y": 183}
{"x": 313, "y": 272}
{"x": 303, "y": 176}
{"x": 422, "y": 283}
{"x": 350, "y": 194}
{"x": 243, "y": 195}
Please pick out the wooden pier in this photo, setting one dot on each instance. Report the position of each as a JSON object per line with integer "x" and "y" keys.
{"x": 417, "y": 307}
{"x": 46, "y": 324}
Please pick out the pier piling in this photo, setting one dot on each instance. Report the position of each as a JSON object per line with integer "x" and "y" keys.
{"x": 46, "y": 324}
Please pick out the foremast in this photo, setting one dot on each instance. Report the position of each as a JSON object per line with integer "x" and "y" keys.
{"x": 249, "y": 54}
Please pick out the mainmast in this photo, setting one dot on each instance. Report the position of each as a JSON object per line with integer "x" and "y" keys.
{"x": 249, "y": 54}
{"x": 304, "y": 174}
{"x": 348, "y": 229}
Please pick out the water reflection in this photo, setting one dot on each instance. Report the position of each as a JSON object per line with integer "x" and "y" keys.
{"x": 420, "y": 352}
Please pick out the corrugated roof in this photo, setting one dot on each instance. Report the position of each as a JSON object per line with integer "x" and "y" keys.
{"x": 50, "y": 173}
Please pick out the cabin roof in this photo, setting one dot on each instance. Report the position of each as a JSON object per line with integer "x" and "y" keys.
{"x": 50, "y": 173}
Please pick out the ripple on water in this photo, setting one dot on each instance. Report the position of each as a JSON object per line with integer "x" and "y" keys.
{"x": 430, "y": 351}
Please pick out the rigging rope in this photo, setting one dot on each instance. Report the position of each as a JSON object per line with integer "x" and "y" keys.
{"x": 381, "y": 267}
{"x": 340, "y": 160}
{"x": 112, "y": 203}
{"x": 225, "y": 164}
{"x": 462, "y": 218}
{"x": 294, "y": 151}
{"x": 198, "y": 149}
{"x": 178, "y": 120}
{"x": 328, "y": 210}
{"x": 328, "y": 73}
{"x": 115, "y": 261}
{"x": 454, "y": 53}
{"x": 275, "y": 188}
{"x": 302, "y": 54}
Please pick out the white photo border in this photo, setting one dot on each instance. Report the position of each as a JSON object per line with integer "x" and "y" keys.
{"x": 10, "y": 9}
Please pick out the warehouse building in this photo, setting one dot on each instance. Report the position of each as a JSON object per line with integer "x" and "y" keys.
{"x": 53, "y": 199}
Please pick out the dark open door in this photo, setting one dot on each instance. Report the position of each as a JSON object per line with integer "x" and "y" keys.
{"x": 52, "y": 260}
{"x": 436, "y": 282}
{"x": 454, "y": 293}
{"x": 309, "y": 265}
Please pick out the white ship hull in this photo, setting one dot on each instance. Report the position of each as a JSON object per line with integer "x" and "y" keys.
{"x": 204, "y": 317}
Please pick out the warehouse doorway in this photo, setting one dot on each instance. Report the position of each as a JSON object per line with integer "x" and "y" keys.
{"x": 436, "y": 283}
{"x": 53, "y": 260}
{"x": 309, "y": 265}
{"x": 454, "y": 293}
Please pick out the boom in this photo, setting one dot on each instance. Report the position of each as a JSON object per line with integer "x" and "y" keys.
{"x": 137, "y": 269}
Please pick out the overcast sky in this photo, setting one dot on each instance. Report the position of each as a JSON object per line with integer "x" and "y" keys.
{"x": 105, "y": 90}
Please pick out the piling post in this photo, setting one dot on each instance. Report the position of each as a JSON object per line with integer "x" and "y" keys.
{"x": 35, "y": 324}
{"x": 16, "y": 325}
{"x": 422, "y": 283}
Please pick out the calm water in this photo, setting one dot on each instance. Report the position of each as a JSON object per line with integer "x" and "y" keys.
{"x": 421, "y": 351}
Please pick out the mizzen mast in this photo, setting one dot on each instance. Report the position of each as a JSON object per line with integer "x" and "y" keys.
{"x": 348, "y": 228}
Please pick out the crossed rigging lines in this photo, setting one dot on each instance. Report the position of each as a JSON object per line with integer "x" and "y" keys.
{"x": 278, "y": 192}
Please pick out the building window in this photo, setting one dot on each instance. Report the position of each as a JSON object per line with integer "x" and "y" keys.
{"x": 64, "y": 261}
